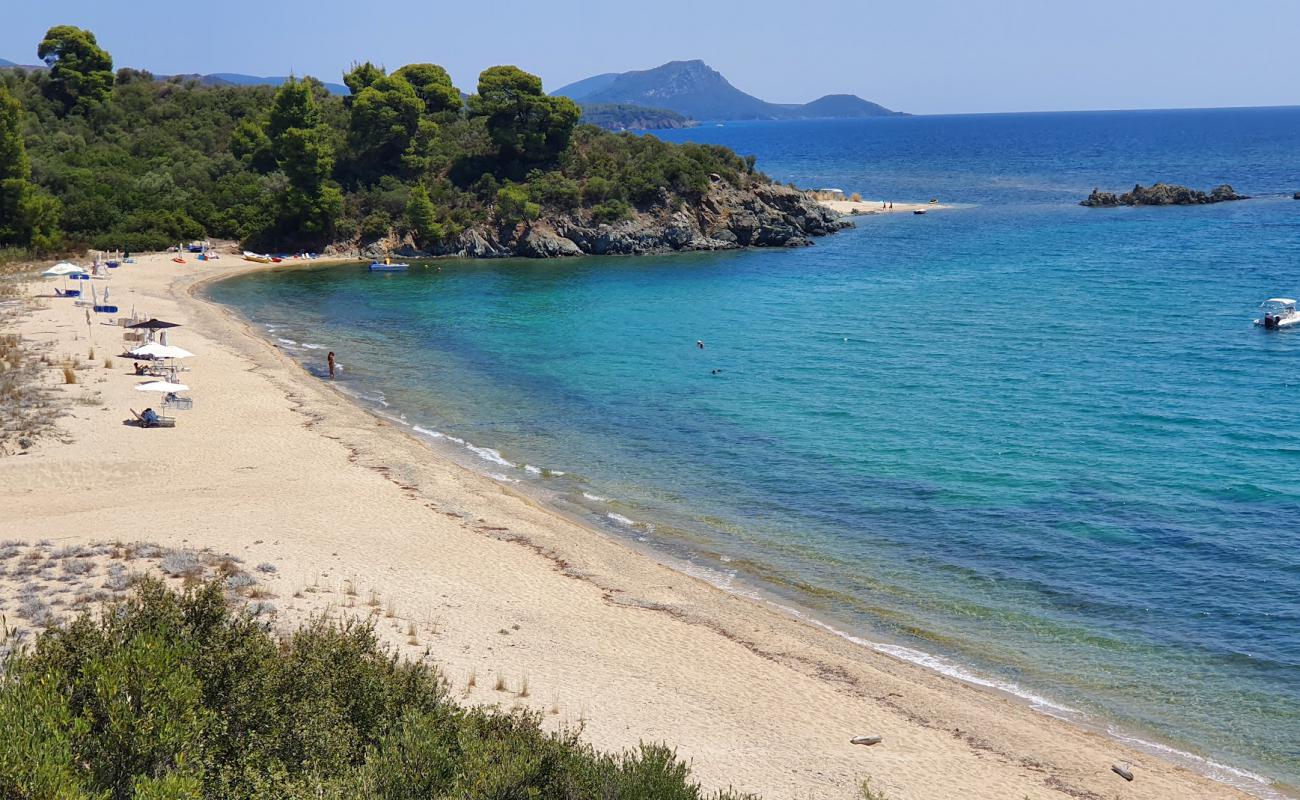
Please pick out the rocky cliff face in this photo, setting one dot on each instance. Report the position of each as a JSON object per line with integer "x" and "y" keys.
{"x": 726, "y": 218}
{"x": 1161, "y": 194}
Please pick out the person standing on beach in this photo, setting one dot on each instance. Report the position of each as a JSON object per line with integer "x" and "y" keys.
{"x": 330, "y": 360}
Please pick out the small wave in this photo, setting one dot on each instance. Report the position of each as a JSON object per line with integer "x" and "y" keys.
{"x": 313, "y": 346}
{"x": 595, "y": 498}
{"x": 427, "y": 432}
{"x": 529, "y": 468}
{"x": 488, "y": 454}
{"x": 1245, "y": 780}
{"x": 945, "y": 667}
{"x": 497, "y": 476}
{"x": 455, "y": 439}
{"x": 286, "y": 342}
{"x": 620, "y": 519}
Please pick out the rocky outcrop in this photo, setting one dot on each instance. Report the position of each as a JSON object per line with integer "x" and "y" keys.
{"x": 725, "y": 218}
{"x": 1161, "y": 194}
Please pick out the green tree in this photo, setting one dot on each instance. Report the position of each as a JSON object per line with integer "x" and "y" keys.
{"x": 28, "y": 216}
{"x": 513, "y": 205}
{"x": 81, "y": 72}
{"x": 250, "y": 144}
{"x": 360, "y": 77}
{"x": 293, "y": 107}
{"x": 309, "y": 205}
{"x": 433, "y": 85}
{"x": 522, "y": 120}
{"x": 421, "y": 216}
{"x": 384, "y": 132}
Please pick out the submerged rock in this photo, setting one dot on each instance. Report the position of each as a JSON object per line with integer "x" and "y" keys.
{"x": 1161, "y": 194}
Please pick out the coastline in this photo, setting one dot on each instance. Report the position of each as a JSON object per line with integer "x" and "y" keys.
{"x": 756, "y": 698}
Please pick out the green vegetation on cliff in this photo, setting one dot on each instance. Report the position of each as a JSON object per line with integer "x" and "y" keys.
{"x": 169, "y": 696}
{"x": 89, "y": 157}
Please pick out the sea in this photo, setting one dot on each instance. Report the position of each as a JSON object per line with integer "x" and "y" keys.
{"x": 1035, "y": 446}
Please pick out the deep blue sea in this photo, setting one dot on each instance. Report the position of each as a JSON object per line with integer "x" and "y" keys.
{"x": 1037, "y": 445}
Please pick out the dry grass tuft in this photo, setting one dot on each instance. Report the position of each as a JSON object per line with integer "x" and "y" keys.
{"x": 523, "y": 687}
{"x": 500, "y": 684}
{"x": 472, "y": 681}
{"x": 69, "y": 376}
{"x": 108, "y": 363}
{"x": 373, "y": 602}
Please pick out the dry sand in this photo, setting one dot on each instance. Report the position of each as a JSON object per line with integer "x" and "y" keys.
{"x": 275, "y": 466}
{"x": 871, "y": 207}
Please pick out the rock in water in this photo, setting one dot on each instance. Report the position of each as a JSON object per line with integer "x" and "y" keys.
{"x": 1161, "y": 194}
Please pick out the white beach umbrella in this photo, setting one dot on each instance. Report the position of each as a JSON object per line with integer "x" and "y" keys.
{"x": 156, "y": 350}
{"x": 60, "y": 269}
{"x": 162, "y": 386}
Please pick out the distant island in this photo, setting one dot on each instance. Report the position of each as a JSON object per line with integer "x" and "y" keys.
{"x": 1161, "y": 194}
{"x": 697, "y": 91}
{"x": 627, "y": 117}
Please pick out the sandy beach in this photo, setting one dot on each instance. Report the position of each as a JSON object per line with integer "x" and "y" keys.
{"x": 358, "y": 517}
{"x": 869, "y": 207}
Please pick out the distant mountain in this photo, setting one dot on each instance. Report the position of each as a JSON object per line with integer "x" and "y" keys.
{"x": 843, "y": 106}
{"x": 698, "y": 91}
{"x": 4, "y": 63}
{"x": 238, "y": 79}
{"x": 586, "y": 86}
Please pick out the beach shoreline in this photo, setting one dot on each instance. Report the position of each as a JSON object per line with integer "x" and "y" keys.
{"x": 756, "y": 699}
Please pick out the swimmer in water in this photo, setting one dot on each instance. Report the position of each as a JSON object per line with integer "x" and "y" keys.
{"x": 699, "y": 343}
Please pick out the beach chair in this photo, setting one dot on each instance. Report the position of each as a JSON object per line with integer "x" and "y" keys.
{"x": 177, "y": 402}
{"x": 159, "y": 421}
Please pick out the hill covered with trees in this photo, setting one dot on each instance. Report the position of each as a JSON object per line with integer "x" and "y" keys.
{"x": 93, "y": 157}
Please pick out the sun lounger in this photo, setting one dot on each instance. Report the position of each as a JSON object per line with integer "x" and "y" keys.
{"x": 178, "y": 403}
{"x": 158, "y": 421}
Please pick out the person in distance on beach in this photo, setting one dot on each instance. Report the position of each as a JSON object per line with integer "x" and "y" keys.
{"x": 330, "y": 360}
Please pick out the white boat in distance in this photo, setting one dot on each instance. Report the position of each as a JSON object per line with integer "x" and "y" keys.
{"x": 387, "y": 266}
{"x": 1279, "y": 312}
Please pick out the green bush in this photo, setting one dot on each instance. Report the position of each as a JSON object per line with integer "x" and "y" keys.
{"x": 513, "y": 205}
{"x": 611, "y": 211}
{"x": 173, "y": 696}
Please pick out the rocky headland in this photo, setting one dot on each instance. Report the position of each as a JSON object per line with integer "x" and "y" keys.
{"x": 724, "y": 218}
{"x": 1161, "y": 194}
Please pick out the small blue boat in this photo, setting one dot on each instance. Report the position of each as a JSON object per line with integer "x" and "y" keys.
{"x": 376, "y": 266}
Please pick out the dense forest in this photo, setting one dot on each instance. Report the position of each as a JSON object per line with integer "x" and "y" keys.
{"x": 92, "y": 157}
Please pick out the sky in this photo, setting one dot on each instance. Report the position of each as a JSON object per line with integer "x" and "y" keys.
{"x": 930, "y": 56}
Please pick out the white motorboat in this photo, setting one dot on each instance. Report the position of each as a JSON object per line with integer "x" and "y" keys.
{"x": 1279, "y": 312}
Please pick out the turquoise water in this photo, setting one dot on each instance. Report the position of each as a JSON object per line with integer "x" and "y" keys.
{"x": 1032, "y": 443}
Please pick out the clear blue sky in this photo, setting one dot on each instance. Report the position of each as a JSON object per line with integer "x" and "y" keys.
{"x": 924, "y": 56}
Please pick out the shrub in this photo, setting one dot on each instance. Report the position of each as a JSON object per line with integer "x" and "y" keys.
{"x": 513, "y": 205}
{"x": 172, "y": 695}
{"x": 611, "y": 211}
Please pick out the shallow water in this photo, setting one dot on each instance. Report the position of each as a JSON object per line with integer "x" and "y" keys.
{"x": 1039, "y": 442}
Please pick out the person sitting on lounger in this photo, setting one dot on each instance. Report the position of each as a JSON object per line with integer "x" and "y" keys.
{"x": 149, "y": 417}
{"x": 139, "y": 368}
